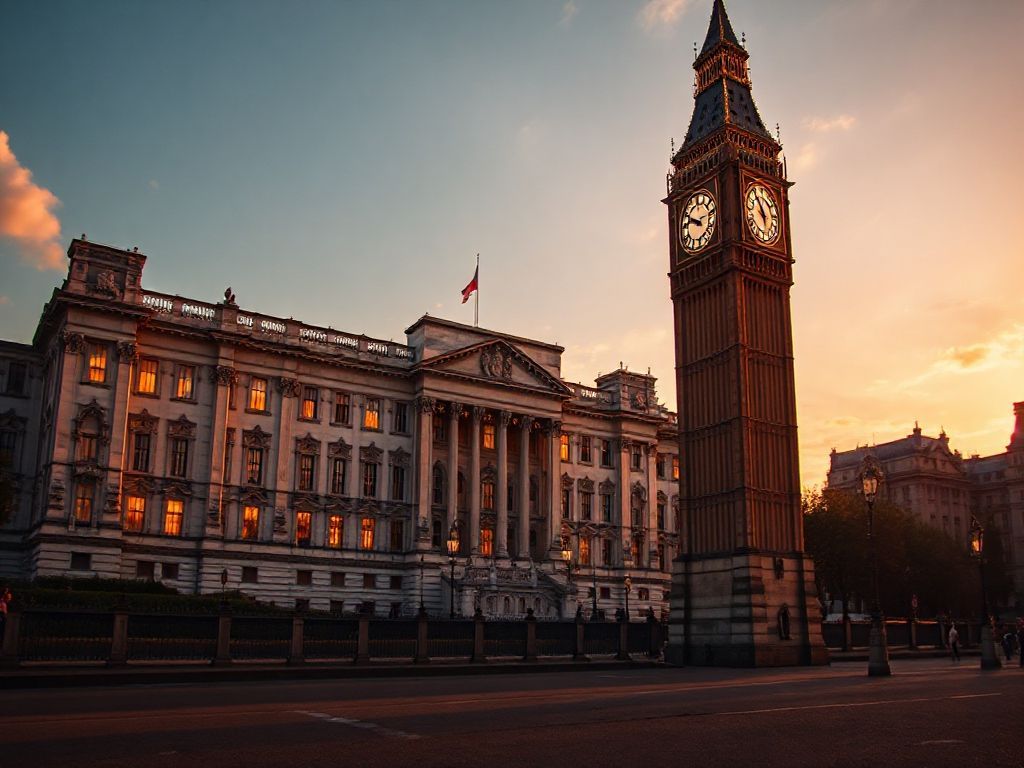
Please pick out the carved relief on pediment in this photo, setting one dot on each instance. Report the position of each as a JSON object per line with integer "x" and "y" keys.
{"x": 143, "y": 423}
{"x": 339, "y": 449}
{"x": 256, "y": 438}
{"x": 181, "y": 427}
{"x": 307, "y": 444}
{"x": 371, "y": 454}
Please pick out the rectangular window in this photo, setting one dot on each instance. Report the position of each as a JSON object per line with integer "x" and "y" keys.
{"x": 400, "y": 422}
{"x": 337, "y": 578}
{"x": 440, "y": 430}
{"x": 144, "y": 570}
{"x": 145, "y": 377}
{"x": 253, "y": 466}
{"x": 169, "y": 571}
{"x": 586, "y": 505}
{"x": 250, "y": 575}
{"x": 16, "y": 375}
{"x": 304, "y": 578}
{"x": 366, "y": 530}
{"x": 173, "y": 516}
{"x": 371, "y": 417}
{"x": 487, "y": 502}
{"x": 675, "y": 467}
{"x": 84, "y": 494}
{"x": 643, "y": 593}
{"x": 566, "y": 502}
{"x": 8, "y": 439}
{"x": 660, "y": 466}
{"x": 257, "y": 394}
{"x": 86, "y": 448}
{"x": 335, "y": 531}
{"x": 637, "y": 457}
{"x": 369, "y": 581}
{"x": 369, "y": 481}
{"x": 134, "y": 513}
{"x": 606, "y": 593}
{"x": 489, "y": 436}
{"x": 606, "y": 552}
{"x": 337, "y": 606}
{"x": 179, "y": 457}
{"x": 398, "y": 483}
{"x": 307, "y": 471}
{"x": 563, "y": 447}
{"x": 397, "y": 535}
{"x": 303, "y": 528}
{"x": 486, "y": 542}
{"x": 341, "y": 407}
{"x": 661, "y": 515}
{"x": 606, "y": 453}
{"x": 585, "y": 453}
{"x": 606, "y": 507}
{"x": 183, "y": 382}
{"x": 310, "y": 403}
{"x": 437, "y": 486}
{"x": 396, "y": 582}
{"x": 81, "y": 561}
{"x": 97, "y": 363}
{"x": 339, "y": 473}
{"x": 584, "y": 551}
{"x": 140, "y": 452}
{"x": 250, "y": 523}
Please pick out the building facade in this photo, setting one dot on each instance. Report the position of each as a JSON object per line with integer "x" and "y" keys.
{"x": 941, "y": 488}
{"x": 159, "y": 437}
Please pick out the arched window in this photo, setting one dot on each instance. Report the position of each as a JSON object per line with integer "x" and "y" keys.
{"x": 783, "y": 623}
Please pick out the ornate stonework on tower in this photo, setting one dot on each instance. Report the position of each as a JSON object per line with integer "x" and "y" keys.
{"x": 743, "y": 590}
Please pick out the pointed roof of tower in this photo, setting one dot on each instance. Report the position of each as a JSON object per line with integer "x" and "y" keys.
{"x": 720, "y": 29}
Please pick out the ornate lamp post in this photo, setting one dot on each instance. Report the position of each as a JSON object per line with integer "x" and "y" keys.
{"x": 989, "y": 660}
{"x": 423, "y": 607}
{"x": 593, "y": 572}
{"x": 453, "y": 550}
{"x": 567, "y": 559}
{"x": 878, "y": 650}
{"x": 628, "y": 582}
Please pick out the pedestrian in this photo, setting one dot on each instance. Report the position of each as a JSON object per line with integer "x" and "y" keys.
{"x": 954, "y": 640}
{"x": 1020, "y": 641}
{"x": 1008, "y": 644}
{"x": 5, "y": 600}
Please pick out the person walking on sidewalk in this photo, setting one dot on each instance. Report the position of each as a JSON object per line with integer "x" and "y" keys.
{"x": 954, "y": 642}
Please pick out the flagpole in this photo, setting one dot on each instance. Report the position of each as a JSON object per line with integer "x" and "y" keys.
{"x": 476, "y": 297}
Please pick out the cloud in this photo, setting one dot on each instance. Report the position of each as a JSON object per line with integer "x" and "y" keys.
{"x": 27, "y": 213}
{"x": 806, "y": 157}
{"x": 660, "y": 14}
{"x": 569, "y": 11}
{"x": 830, "y": 124}
{"x": 4, "y": 300}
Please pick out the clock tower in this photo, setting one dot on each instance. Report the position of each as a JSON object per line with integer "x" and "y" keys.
{"x": 743, "y": 590}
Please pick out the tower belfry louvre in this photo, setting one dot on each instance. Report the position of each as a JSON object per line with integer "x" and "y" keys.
{"x": 743, "y": 589}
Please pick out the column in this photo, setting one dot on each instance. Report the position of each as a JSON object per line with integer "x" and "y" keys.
{"x": 225, "y": 377}
{"x": 476, "y": 414}
{"x": 554, "y": 494}
{"x": 625, "y": 523}
{"x": 523, "y": 531}
{"x": 424, "y": 444}
{"x": 283, "y": 460}
{"x": 454, "y": 411}
{"x": 118, "y": 447}
{"x": 501, "y": 503}
{"x": 652, "y": 502}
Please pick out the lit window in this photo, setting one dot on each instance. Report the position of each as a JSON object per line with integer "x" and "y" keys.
{"x": 397, "y": 538}
{"x": 83, "y": 502}
{"x": 307, "y": 471}
{"x": 335, "y": 532}
{"x": 303, "y": 526}
{"x": 398, "y": 483}
{"x": 489, "y": 436}
{"x": 488, "y": 495}
{"x": 179, "y": 457}
{"x": 145, "y": 379}
{"x": 250, "y": 523}
{"x": 371, "y": 418}
{"x": 366, "y": 530}
{"x": 253, "y": 466}
{"x": 140, "y": 452}
{"x": 486, "y": 542}
{"x": 134, "y": 513}
{"x": 369, "y": 481}
{"x": 675, "y": 467}
{"x": 97, "y": 363}
{"x": 585, "y": 456}
{"x": 339, "y": 472}
{"x": 341, "y": 407}
{"x": 184, "y": 382}
{"x": 400, "y": 422}
{"x": 172, "y": 518}
{"x": 257, "y": 394}
{"x": 563, "y": 449}
{"x": 584, "y": 551}
{"x": 310, "y": 400}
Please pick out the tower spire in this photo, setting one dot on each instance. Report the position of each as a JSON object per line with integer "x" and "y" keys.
{"x": 720, "y": 29}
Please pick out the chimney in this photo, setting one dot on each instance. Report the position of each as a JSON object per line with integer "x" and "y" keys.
{"x": 1017, "y": 438}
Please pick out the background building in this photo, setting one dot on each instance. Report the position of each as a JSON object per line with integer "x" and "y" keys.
{"x": 159, "y": 437}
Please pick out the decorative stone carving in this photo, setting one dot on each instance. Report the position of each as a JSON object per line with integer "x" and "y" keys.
{"x": 280, "y": 521}
{"x": 93, "y": 410}
{"x": 288, "y": 387}
{"x": 424, "y": 404}
{"x": 399, "y": 458}
{"x": 662, "y": 498}
{"x": 113, "y": 501}
{"x": 74, "y": 343}
{"x": 12, "y": 421}
{"x": 143, "y": 423}
{"x": 625, "y": 444}
{"x": 496, "y": 363}
{"x": 371, "y": 454}
{"x": 307, "y": 444}
{"x": 477, "y": 413}
{"x": 587, "y": 485}
{"x": 504, "y": 417}
{"x": 639, "y": 399}
{"x": 566, "y": 481}
{"x": 213, "y": 516}
{"x": 525, "y": 422}
{"x": 339, "y": 449}
{"x": 489, "y": 473}
{"x": 138, "y": 485}
{"x": 106, "y": 284}
{"x": 454, "y": 410}
{"x": 256, "y": 438}
{"x": 638, "y": 493}
{"x": 177, "y": 488}
{"x": 127, "y": 351}
{"x": 553, "y": 428}
{"x": 225, "y": 375}
{"x": 181, "y": 427}
{"x": 55, "y": 498}
{"x": 606, "y": 486}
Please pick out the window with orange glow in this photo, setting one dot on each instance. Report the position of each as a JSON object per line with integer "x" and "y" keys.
{"x": 487, "y": 502}
{"x": 675, "y": 467}
{"x": 489, "y": 436}
{"x": 97, "y": 363}
{"x": 183, "y": 386}
{"x": 335, "y": 531}
{"x": 371, "y": 416}
{"x": 84, "y": 495}
{"x": 145, "y": 379}
{"x": 584, "y": 551}
{"x": 173, "y": 517}
{"x": 257, "y": 394}
{"x": 303, "y": 528}
{"x": 563, "y": 447}
{"x": 366, "y": 531}
{"x": 134, "y": 513}
{"x": 250, "y": 523}
{"x": 310, "y": 400}
{"x": 486, "y": 542}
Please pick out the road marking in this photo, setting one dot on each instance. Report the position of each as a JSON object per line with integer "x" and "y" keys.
{"x": 380, "y": 730}
{"x": 852, "y": 704}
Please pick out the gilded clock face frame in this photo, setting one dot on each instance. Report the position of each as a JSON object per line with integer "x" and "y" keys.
{"x": 762, "y": 213}
{"x": 697, "y": 220}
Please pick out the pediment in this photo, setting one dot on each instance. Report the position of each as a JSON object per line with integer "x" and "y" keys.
{"x": 496, "y": 362}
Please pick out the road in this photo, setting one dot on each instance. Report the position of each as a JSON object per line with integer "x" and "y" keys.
{"x": 930, "y": 713}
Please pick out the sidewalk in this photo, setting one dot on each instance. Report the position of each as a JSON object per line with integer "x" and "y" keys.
{"x": 861, "y": 654}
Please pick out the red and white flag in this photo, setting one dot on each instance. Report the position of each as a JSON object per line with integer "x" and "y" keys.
{"x": 473, "y": 286}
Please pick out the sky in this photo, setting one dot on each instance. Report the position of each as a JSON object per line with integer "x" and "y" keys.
{"x": 344, "y": 162}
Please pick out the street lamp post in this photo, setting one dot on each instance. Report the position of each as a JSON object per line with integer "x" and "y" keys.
{"x": 453, "y": 550}
{"x": 593, "y": 571}
{"x": 629, "y": 586}
{"x": 423, "y": 607}
{"x": 989, "y": 660}
{"x": 878, "y": 650}
{"x": 567, "y": 559}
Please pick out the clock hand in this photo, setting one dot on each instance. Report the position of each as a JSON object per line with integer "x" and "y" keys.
{"x": 698, "y": 222}
{"x": 760, "y": 204}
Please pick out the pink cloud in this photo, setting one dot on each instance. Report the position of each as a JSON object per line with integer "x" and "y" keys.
{"x": 27, "y": 213}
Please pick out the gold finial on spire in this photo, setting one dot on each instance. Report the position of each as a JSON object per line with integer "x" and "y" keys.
{"x": 694, "y": 50}
{"x": 743, "y": 40}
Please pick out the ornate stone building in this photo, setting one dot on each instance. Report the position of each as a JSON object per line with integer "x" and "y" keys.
{"x": 941, "y": 488}
{"x": 160, "y": 437}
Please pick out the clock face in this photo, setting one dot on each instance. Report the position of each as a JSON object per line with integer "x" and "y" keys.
{"x": 762, "y": 214}
{"x": 697, "y": 221}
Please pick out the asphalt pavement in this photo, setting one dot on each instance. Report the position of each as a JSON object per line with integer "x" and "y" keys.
{"x": 930, "y": 713}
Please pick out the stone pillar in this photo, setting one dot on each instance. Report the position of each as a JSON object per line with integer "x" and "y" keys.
{"x": 454, "y": 411}
{"x": 523, "y": 531}
{"x": 424, "y": 444}
{"x": 119, "y": 640}
{"x": 554, "y": 490}
{"x": 295, "y": 650}
{"x": 117, "y": 449}
{"x": 501, "y": 503}
{"x": 225, "y": 377}
{"x": 9, "y": 651}
{"x": 421, "y": 657}
{"x": 283, "y": 460}
{"x": 578, "y": 653}
{"x": 652, "y": 504}
{"x": 476, "y": 414}
{"x": 623, "y": 654}
{"x": 223, "y": 653}
{"x": 531, "y": 636}
{"x": 625, "y": 524}
{"x": 363, "y": 639}
{"x": 478, "y": 638}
